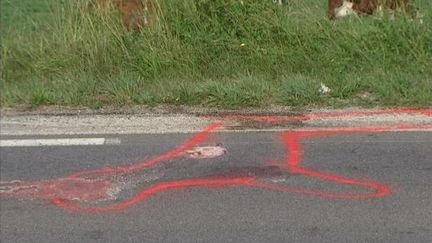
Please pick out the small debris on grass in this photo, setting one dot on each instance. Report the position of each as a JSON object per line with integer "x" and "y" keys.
{"x": 324, "y": 89}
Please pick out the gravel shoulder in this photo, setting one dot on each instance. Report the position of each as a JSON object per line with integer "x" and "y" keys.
{"x": 57, "y": 121}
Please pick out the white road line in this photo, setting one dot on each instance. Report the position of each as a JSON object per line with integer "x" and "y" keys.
{"x": 57, "y": 142}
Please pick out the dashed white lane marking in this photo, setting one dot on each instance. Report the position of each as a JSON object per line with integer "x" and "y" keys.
{"x": 58, "y": 142}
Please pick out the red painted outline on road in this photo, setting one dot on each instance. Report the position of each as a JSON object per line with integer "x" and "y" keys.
{"x": 293, "y": 164}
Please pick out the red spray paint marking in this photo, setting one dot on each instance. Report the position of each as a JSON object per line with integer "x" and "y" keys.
{"x": 199, "y": 138}
{"x": 95, "y": 185}
{"x": 293, "y": 165}
{"x": 152, "y": 190}
{"x": 92, "y": 185}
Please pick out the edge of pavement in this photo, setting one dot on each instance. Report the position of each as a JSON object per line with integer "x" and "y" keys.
{"x": 163, "y": 120}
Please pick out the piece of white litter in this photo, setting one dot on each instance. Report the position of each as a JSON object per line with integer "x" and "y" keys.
{"x": 324, "y": 89}
{"x": 205, "y": 152}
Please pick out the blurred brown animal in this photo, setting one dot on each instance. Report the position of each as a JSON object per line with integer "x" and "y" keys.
{"x": 341, "y": 8}
{"x": 136, "y": 14}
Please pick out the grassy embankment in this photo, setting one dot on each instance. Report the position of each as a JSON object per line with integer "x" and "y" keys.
{"x": 214, "y": 53}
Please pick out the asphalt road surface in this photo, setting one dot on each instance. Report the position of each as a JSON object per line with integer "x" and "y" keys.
{"x": 361, "y": 187}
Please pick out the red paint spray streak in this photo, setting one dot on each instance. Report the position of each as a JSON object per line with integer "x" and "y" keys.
{"x": 94, "y": 185}
{"x": 293, "y": 165}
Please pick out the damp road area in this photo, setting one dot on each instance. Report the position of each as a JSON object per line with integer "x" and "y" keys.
{"x": 218, "y": 187}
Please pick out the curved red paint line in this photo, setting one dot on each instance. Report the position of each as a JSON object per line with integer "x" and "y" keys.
{"x": 293, "y": 165}
{"x": 153, "y": 190}
{"x": 197, "y": 139}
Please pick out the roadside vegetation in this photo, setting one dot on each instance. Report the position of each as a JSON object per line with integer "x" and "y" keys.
{"x": 225, "y": 53}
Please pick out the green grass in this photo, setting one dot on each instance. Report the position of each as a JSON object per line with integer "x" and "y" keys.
{"x": 212, "y": 53}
